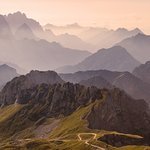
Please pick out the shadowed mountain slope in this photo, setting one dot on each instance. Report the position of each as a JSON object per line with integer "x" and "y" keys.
{"x": 138, "y": 46}
{"x": 131, "y": 84}
{"x": 143, "y": 72}
{"x": 114, "y": 59}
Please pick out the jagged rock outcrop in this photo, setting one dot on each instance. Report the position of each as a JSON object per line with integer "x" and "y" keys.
{"x": 49, "y": 101}
{"x": 60, "y": 98}
{"x": 114, "y": 110}
{"x": 119, "y": 112}
{"x": 11, "y": 90}
{"x": 126, "y": 81}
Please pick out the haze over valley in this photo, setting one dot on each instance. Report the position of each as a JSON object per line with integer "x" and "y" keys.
{"x": 72, "y": 78}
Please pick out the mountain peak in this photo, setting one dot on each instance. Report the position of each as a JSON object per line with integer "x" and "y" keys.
{"x": 114, "y": 59}
{"x": 114, "y": 48}
{"x": 18, "y": 14}
{"x": 137, "y": 30}
{"x": 25, "y": 27}
{"x": 24, "y": 31}
{"x": 5, "y": 66}
{"x": 28, "y": 81}
{"x": 75, "y": 25}
{"x": 121, "y": 30}
{"x": 140, "y": 35}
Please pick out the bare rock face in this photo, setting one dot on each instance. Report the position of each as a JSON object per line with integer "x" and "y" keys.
{"x": 14, "y": 87}
{"x": 49, "y": 101}
{"x": 134, "y": 85}
{"x": 115, "y": 110}
{"x": 59, "y": 98}
{"x": 119, "y": 112}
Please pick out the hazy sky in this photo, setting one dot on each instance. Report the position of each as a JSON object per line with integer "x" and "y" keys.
{"x": 103, "y": 13}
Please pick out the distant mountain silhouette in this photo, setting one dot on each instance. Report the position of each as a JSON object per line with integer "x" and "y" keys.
{"x": 126, "y": 81}
{"x": 73, "y": 29}
{"x": 143, "y": 72}
{"x": 78, "y": 77}
{"x": 72, "y": 41}
{"x": 97, "y": 81}
{"x": 39, "y": 54}
{"x": 107, "y": 38}
{"x": 23, "y": 26}
{"x": 24, "y": 31}
{"x": 17, "y": 19}
{"x": 7, "y": 73}
{"x": 138, "y": 46}
{"x": 97, "y": 37}
{"x": 114, "y": 59}
{"x": 71, "y": 36}
{"x": 5, "y": 32}
{"x": 92, "y": 32}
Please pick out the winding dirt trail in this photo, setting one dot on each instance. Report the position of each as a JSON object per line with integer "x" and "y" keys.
{"x": 87, "y": 141}
{"x": 80, "y": 138}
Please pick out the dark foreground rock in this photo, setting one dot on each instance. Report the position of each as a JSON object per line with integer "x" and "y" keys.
{"x": 122, "y": 140}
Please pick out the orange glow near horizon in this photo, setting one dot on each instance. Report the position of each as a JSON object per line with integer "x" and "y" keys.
{"x": 102, "y": 13}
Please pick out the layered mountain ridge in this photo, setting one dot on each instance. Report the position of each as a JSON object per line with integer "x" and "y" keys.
{"x": 126, "y": 81}
{"x": 115, "y": 59}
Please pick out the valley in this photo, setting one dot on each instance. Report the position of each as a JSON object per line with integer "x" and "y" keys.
{"x": 74, "y": 75}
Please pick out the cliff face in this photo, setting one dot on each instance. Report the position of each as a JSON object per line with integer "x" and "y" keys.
{"x": 49, "y": 101}
{"x": 119, "y": 112}
{"x": 59, "y": 99}
{"x": 14, "y": 87}
{"x": 111, "y": 110}
{"x": 133, "y": 85}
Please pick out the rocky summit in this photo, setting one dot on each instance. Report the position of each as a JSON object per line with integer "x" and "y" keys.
{"x": 72, "y": 108}
{"x": 12, "y": 89}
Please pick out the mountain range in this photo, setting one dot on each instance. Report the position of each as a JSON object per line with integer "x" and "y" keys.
{"x": 97, "y": 100}
{"x": 126, "y": 81}
{"x": 115, "y": 59}
{"x": 66, "y": 112}
{"x": 25, "y": 35}
{"x": 24, "y": 48}
{"x": 97, "y": 37}
{"x": 138, "y": 46}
